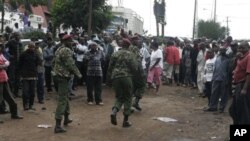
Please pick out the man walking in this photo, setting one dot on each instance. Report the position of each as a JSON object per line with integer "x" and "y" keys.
{"x": 139, "y": 79}
{"x": 121, "y": 69}
{"x": 63, "y": 68}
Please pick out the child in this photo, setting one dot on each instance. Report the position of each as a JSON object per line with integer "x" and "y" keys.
{"x": 209, "y": 68}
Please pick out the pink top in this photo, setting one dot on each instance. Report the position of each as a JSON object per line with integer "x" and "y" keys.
{"x": 3, "y": 74}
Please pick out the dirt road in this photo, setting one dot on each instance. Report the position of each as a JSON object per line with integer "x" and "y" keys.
{"x": 92, "y": 123}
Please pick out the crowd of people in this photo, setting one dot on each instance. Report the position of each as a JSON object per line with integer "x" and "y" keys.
{"x": 130, "y": 64}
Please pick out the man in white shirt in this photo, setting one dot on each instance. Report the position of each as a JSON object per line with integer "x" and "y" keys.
{"x": 81, "y": 49}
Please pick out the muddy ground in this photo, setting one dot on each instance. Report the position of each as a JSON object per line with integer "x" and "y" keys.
{"x": 92, "y": 123}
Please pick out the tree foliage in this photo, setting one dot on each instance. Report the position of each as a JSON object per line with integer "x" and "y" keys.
{"x": 211, "y": 29}
{"x": 15, "y": 3}
{"x": 74, "y": 13}
{"x": 33, "y": 34}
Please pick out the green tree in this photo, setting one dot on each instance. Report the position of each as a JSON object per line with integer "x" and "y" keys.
{"x": 27, "y": 4}
{"x": 75, "y": 13}
{"x": 211, "y": 29}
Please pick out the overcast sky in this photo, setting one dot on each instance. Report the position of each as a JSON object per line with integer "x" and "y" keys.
{"x": 179, "y": 15}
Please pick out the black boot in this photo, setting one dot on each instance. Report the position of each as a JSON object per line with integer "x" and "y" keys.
{"x": 126, "y": 124}
{"x": 113, "y": 116}
{"x": 136, "y": 104}
{"x": 58, "y": 128}
{"x": 67, "y": 120}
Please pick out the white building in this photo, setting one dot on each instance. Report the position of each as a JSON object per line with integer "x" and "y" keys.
{"x": 10, "y": 18}
{"x": 135, "y": 22}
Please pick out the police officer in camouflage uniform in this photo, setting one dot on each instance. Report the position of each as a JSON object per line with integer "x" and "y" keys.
{"x": 121, "y": 69}
{"x": 63, "y": 67}
{"x": 139, "y": 79}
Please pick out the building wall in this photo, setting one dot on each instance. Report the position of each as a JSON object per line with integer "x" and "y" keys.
{"x": 135, "y": 22}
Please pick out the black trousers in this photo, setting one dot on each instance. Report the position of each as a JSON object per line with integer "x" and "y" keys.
{"x": 105, "y": 70}
{"x": 29, "y": 87}
{"x": 7, "y": 96}
{"x": 79, "y": 81}
{"x": 208, "y": 90}
{"x": 2, "y": 106}
{"x": 14, "y": 77}
{"x": 48, "y": 78}
{"x": 94, "y": 84}
{"x": 240, "y": 107}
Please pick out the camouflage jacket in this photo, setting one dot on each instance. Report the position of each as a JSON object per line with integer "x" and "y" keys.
{"x": 122, "y": 64}
{"x": 136, "y": 51}
{"x": 63, "y": 64}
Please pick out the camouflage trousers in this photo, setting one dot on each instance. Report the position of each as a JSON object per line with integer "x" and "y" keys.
{"x": 139, "y": 83}
{"x": 123, "y": 90}
{"x": 63, "y": 97}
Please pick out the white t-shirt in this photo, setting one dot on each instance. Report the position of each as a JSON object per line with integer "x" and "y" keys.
{"x": 180, "y": 52}
{"x": 209, "y": 69}
{"x": 79, "y": 57}
{"x": 154, "y": 56}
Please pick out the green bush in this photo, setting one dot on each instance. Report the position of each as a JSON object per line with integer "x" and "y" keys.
{"x": 33, "y": 34}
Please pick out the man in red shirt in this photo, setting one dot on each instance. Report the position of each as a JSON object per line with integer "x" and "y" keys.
{"x": 172, "y": 59}
{"x": 240, "y": 108}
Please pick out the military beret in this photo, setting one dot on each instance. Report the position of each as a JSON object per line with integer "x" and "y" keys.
{"x": 135, "y": 38}
{"x": 66, "y": 37}
{"x": 126, "y": 41}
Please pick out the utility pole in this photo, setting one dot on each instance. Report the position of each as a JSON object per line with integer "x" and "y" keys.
{"x": 163, "y": 28}
{"x": 157, "y": 27}
{"x": 194, "y": 22}
{"x": 227, "y": 20}
{"x": 3, "y": 13}
{"x": 90, "y": 18}
{"x": 215, "y": 9}
{"x": 120, "y": 3}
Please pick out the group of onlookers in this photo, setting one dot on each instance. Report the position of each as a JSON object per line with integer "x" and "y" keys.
{"x": 210, "y": 66}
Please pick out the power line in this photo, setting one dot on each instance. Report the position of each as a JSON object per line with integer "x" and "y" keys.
{"x": 234, "y": 17}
